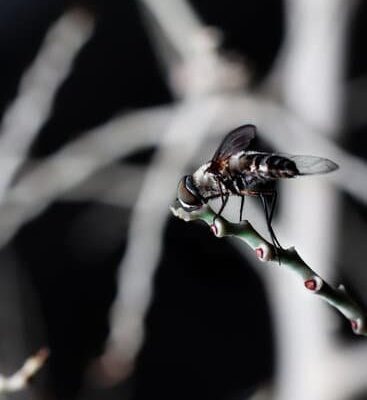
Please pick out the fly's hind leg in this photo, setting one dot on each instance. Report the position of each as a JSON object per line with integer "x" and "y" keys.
{"x": 273, "y": 202}
{"x": 269, "y": 212}
{"x": 269, "y": 216}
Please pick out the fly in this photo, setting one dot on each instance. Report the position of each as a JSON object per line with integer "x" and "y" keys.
{"x": 235, "y": 171}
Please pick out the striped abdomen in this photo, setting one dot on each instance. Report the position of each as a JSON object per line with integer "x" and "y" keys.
{"x": 266, "y": 166}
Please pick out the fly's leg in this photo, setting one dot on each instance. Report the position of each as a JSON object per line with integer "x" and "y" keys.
{"x": 224, "y": 198}
{"x": 269, "y": 216}
{"x": 269, "y": 212}
{"x": 224, "y": 202}
{"x": 273, "y": 202}
{"x": 241, "y": 208}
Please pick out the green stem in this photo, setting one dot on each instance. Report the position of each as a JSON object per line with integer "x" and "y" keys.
{"x": 288, "y": 258}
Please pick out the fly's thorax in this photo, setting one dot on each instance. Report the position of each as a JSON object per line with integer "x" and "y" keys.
{"x": 205, "y": 181}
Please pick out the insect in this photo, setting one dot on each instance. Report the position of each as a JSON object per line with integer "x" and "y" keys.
{"x": 235, "y": 171}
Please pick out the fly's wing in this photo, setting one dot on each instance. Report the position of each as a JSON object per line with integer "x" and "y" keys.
{"x": 235, "y": 141}
{"x": 311, "y": 165}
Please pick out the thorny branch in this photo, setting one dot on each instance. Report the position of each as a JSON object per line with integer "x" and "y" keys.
{"x": 288, "y": 258}
{"x": 20, "y": 379}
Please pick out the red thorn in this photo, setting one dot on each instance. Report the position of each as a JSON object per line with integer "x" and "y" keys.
{"x": 311, "y": 284}
{"x": 259, "y": 252}
{"x": 214, "y": 229}
{"x": 354, "y": 324}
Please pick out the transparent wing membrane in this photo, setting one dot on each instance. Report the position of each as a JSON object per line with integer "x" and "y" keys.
{"x": 311, "y": 165}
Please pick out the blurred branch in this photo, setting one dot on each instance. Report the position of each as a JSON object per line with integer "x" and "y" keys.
{"x": 30, "y": 109}
{"x": 75, "y": 162}
{"x": 19, "y": 380}
{"x": 288, "y": 258}
{"x": 185, "y": 135}
{"x": 312, "y": 40}
{"x": 201, "y": 68}
{"x": 117, "y": 185}
{"x": 176, "y": 30}
{"x": 309, "y": 75}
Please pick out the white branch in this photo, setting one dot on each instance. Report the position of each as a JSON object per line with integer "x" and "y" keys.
{"x": 76, "y": 162}
{"x": 312, "y": 59}
{"x": 117, "y": 185}
{"x": 19, "y": 380}
{"x": 176, "y": 30}
{"x": 26, "y": 115}
{"x": 311, "y": 72}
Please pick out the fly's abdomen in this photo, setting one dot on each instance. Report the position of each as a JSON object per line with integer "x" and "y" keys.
{"x": 266, "y": 166}
{"x": 281, "y": 167}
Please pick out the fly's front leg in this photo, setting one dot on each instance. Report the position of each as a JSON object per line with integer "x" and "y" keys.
{"x": 241, "y": 207}
{"x": 224, "y": 202}
{"x": 224, "y": 198}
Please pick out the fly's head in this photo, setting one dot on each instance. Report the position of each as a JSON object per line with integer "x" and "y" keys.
{"x": 188, "y": 194}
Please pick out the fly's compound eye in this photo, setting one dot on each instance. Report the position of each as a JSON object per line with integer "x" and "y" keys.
{"x": 188, "y": 195}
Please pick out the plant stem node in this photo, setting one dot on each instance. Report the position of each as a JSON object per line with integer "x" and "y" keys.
{"x": 259, "y": 253}
{"x": 214, "y": 229}
{"x": 314, "y": 284}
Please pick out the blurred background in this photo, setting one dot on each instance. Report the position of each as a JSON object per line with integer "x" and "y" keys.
{"x": 104, "y": 106}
